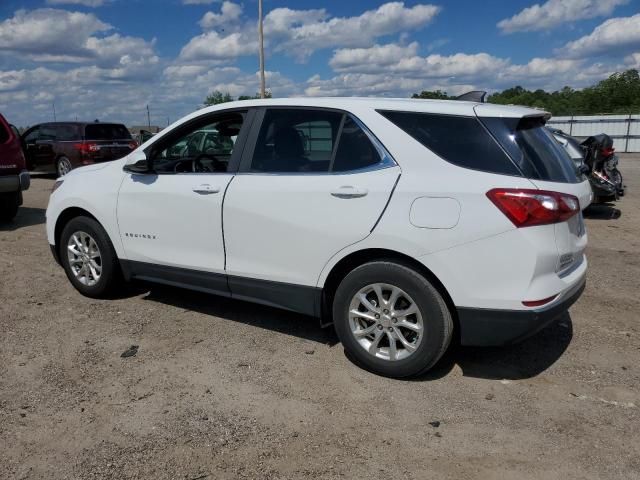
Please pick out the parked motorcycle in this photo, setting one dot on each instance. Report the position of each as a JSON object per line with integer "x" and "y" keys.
{"x": 595, "y": 157}
{"x": 602, "y": 161}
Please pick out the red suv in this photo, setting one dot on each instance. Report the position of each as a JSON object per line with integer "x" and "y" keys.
{"x": 14, "y": 177}
{"x": 62, "y": 146}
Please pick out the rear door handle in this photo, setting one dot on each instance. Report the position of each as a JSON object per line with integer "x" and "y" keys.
{"x": 349, "y": 191}
{"x": 206, "y": 189}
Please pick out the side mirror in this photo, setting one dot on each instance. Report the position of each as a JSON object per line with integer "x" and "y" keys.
{"x": 138, "y": 163}
{"x": 584, "y": 169}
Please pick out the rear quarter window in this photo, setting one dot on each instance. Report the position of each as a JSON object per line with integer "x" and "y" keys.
{"x": 106, "y": 131}
{"x": 534, "y": 149}
{"x": 462, "y": 141}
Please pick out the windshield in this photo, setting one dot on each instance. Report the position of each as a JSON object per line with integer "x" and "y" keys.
{"x": 534, "y": 149}
{"x": 106, "y": 131}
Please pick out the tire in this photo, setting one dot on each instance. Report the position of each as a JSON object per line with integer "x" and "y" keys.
{"x": 414, "y": 289}
{"x": 9, "y": 203}
{"x": 91, "y": 235}
{"x": 63, "y": 166}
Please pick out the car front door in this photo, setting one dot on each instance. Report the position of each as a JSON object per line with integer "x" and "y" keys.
{"x": 170, "y": 220}
{"x": 311, "y": 183}
{"x": 29, "y": 140}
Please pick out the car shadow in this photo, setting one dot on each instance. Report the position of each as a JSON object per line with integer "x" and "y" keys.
{"x": 26, "y": 217}
{"x": 512, "y": 362}
{"x": 602, "y": 211}
{"x": 261, "y": 316}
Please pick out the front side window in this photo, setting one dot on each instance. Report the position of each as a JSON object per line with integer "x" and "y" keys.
{"x": 31, "y": 136}
{"x": 203, "y": 146}
{"x": 311, "y": 141}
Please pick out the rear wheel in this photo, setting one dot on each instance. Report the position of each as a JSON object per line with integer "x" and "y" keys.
{"x": 9, "y": 203}
{"x": 63, "y": 166}
{"x": 88, "y": 257}
{"x": 391, "y": 320}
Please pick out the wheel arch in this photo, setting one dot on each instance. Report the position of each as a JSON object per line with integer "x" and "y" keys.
{"x": 360, "y": 257}
{"x": 65, "y": 216}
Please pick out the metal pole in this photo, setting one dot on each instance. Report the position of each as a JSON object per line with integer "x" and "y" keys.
{"x": 571, "y": 126}
{"x": 261, "y": 52}
{"x": 626, "y": 143}
{"x": 148, "y": 118}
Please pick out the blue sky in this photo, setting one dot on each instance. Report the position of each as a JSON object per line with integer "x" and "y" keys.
{"x": 108, "y": 59}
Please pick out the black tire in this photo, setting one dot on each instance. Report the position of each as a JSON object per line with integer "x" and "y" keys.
{"x": 110, "y": 276}
{"x": 9, "y": 203}
{"x": 438, "y": 324}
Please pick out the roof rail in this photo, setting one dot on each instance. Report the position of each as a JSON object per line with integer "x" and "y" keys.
{"x": 474, "y": 96}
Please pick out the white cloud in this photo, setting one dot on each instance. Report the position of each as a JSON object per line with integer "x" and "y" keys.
{"x": 612, "y": 37}
{"x": 301, "y": 32}
{"x": 213, "y": 46}
{"x": 85, "y": 3}
{"x": 554, "y": 13}
{"x": 377, "y": 56}
{"x": 49, "y": 31}
{"x": 229, "y": 13}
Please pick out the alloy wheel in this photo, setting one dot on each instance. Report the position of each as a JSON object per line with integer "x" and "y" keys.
{"x": 386, "y": 322}
{"x": 84, "y": 258}
{"x": 64, "y": 166}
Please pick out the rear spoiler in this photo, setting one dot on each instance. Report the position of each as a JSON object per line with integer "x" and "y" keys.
{"x": 474, "y": 96}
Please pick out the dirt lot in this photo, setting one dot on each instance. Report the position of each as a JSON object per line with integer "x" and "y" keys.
{"x": 226, "y": 389}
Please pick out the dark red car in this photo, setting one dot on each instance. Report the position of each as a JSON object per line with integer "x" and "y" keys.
{"x": 14, "y": 178}
{"x": 60, "y": 147}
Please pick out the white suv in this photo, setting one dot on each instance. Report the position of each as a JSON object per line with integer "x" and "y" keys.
{"x": 402, "y": 222}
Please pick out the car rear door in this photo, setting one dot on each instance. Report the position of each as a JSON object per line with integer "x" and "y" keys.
{"x": 311, "y": 183}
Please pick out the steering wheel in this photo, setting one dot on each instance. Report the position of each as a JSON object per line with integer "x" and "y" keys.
{"x": 218, "y": 166}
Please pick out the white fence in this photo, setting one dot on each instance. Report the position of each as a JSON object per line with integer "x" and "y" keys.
{"x": 624, "y": 129}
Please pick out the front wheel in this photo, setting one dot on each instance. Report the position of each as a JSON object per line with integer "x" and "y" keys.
{"x": 391, "y": 320}
{"x": 88, "y": 257}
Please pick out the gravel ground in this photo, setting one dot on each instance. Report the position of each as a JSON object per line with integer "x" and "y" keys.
{"x": 225, "y": 389}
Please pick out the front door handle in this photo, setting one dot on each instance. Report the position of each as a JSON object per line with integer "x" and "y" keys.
{"x": 349, "y": 191}
{"x": 206, "y": 189}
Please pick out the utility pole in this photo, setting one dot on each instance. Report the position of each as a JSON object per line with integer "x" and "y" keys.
{"x": 148, "y": 117}
{"x": 54, "y": 112}
{"x": 261, "y": 52}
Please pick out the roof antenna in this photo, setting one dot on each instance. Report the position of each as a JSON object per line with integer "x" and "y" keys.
{"x": 474, "y": 96}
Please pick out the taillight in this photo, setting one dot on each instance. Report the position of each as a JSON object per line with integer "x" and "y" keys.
{"x": 526, "y": 208}
{"x": 538, "y": 303}
{"x": 133, "y": 144}
{"x": 607, "y": 151}
{"x": 86, "y": 147}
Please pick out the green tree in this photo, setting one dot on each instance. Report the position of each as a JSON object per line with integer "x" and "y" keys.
{"x": 216, "y": 97}
{"x": 620, "y": 93}
{"x": 433, "y": 95}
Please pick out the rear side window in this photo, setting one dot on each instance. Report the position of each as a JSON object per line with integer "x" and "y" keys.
{"x": 47, "y": 132}
{"x": 534, "y": 149}
{"x": 462, "y": 141}
{"x": 106, "y": 131}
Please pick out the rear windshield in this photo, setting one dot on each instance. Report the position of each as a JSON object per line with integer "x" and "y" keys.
{"x": 106, "y": 131}
{"x": 533, "y": 149}
{"x": 462, "y": 141}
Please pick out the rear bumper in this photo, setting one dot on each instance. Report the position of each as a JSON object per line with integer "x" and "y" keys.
{"x": 486, "y": 327}
{"x": 15, "y": 183}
